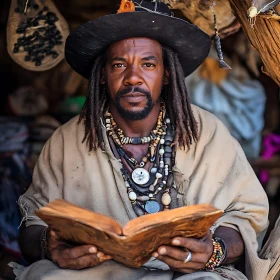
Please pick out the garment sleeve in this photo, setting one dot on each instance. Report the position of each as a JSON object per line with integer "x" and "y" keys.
{"x": 47, "y": 180}
{"x": 248, "y": 213}
{"x": 221, "y": 175}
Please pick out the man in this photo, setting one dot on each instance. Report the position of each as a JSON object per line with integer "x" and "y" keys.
{"x": 139, "y": 147}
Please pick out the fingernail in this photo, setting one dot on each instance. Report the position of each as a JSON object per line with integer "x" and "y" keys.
{"x": 100, "y": 255}
{"x": 176, "y": 242}
{"x": 155, "y": 255}
{"x": 92, "y": 250}
{"x": 162, "y": 251}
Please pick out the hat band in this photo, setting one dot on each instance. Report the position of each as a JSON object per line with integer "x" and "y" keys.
{"x": 139, "y": 6}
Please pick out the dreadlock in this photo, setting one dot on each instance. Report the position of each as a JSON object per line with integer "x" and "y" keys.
{"x": 177, "y": 100}
{"x": 93, "y": 108}
{"x": 174, "y": 94}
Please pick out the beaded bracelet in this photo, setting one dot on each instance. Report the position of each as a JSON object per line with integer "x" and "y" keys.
{"x": 45, "y": 254}
{"x": 218, "y": 256}
{"x": 224, "y": 247}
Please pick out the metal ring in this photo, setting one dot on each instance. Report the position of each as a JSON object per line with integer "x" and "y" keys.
{"x": 189, "y": 258}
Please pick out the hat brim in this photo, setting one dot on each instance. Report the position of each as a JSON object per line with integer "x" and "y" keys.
{"x": 88, "y": 41}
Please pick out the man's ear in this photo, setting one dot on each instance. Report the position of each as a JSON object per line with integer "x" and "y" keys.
{"x": 166, "y": 77}
{"x": 102, "y": 79}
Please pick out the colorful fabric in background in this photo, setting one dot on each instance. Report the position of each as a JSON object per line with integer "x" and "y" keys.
{"x": 14, "y": 179}
{"x": 271, "y": 146}
{"x": 236, "y": 99}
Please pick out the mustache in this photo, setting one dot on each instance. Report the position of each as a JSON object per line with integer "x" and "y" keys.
{"x": 131, "y": 90}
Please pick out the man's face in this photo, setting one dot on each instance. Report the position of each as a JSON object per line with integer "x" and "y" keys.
{"x": 133, "y": 74}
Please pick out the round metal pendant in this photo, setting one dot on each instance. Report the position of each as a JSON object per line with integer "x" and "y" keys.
{"x": 152, "y": 207}
{"x": 140, "y": 176}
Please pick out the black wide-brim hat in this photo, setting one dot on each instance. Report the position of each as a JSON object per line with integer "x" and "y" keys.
{"x": 151, "y": 19}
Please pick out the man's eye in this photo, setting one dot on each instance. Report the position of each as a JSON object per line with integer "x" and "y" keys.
{"x": 149, "y": 65}
{"x": 118, "y": 65}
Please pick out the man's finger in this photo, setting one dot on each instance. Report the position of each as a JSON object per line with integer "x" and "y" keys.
{"x": 180, "y": 265}
{"x": 85, "y": 261}
{"x": 192, "y": 244}
{"x": 54, "y": 240}
{"x": 182, "y": 255}
{"x": 79, "y": 251}
{"x": 53, "y": 235}
{"x": 175, "y": 253}
{"x": 103, "y": 257}
{"x": 73, "y": 252}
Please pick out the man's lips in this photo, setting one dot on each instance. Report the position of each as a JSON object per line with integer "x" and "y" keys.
{"x": 135, "y": 97}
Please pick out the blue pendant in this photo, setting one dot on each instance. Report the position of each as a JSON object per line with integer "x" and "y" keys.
{"x": 152, "y": 206}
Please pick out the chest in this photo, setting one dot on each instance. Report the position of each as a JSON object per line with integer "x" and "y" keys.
{"x": 137, "y": 151}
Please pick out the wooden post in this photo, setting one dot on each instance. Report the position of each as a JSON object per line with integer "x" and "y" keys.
{"x": 271, "y": 250}
{"x": 264, "y": 37}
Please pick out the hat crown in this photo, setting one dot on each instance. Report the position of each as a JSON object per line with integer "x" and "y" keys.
{"x": 137, "y": 18}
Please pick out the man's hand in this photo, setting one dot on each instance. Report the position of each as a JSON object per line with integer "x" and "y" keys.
{"x": 174, "y": 256}
{"x": 78, "y": 257}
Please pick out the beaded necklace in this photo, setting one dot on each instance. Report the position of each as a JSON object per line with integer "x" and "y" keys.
{"x": 121, "y": 139}
{"x": 148, "y": 191}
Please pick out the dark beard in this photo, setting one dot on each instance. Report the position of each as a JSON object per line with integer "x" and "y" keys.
{"x": 132, "y": 115}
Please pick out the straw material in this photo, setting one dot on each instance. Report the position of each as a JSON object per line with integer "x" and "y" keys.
{"x": 201, "y": 14}
{"x": 14, "y": 20}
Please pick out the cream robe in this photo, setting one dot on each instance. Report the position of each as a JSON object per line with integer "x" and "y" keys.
{"x": 214, "y": 170}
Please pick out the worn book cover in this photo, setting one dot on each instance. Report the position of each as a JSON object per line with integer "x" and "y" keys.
{"x": 134, "y": 243}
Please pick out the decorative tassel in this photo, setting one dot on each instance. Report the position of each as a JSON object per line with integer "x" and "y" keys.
{"x": 252, "y": 14}
{"x": 126, "y": 7}
{"x": 218, "y": 46}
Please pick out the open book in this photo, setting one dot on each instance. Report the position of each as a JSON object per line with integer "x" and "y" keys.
{"x": 134, "y": 243}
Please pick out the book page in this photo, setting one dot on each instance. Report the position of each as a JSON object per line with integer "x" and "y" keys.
{"x": 66, "y": 210}
{"x": 152, "y": 220}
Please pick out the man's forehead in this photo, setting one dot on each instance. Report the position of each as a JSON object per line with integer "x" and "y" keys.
{"x": 141, "y": 44}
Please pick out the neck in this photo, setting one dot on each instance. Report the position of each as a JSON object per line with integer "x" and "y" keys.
{"x": 138, "y": 128}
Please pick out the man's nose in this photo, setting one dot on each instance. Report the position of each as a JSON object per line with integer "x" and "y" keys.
{"x": 133, "y": 76}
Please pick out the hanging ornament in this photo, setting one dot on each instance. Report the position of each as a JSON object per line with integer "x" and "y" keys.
{"x": 152, "y": 206}
{"x": 252, "y": 14}
{"x": 259, "y": 6}
{"x": 217, "y": 41}
{"x": 36, "y": 34}
{"x": 140, "y": 176}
